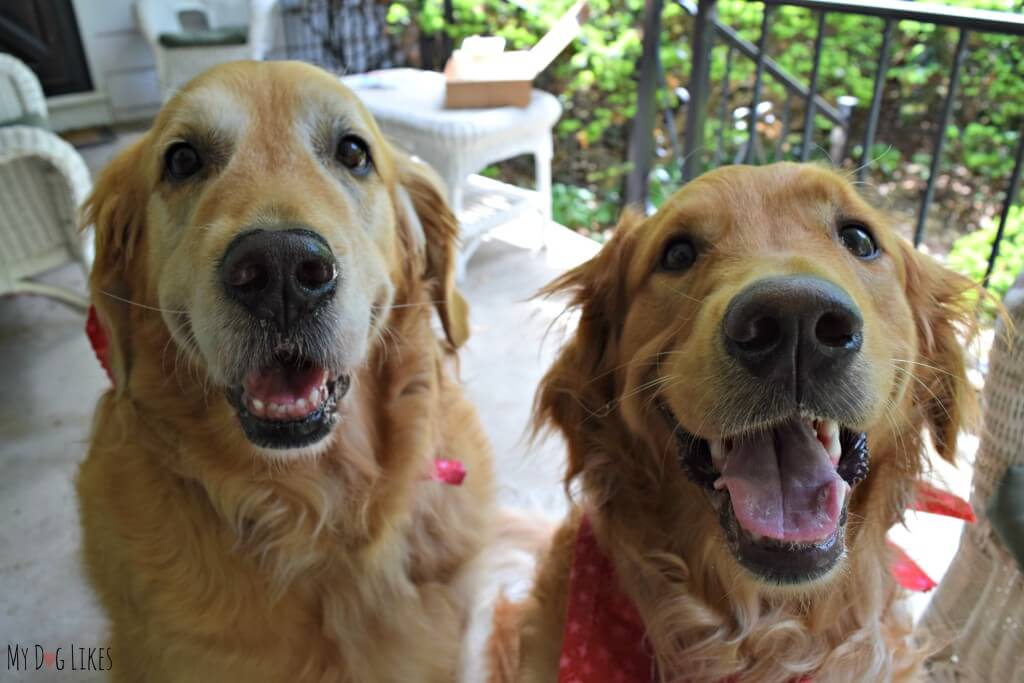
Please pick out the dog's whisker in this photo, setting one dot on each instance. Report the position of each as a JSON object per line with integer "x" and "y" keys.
{"x": 141, "y": 305}
{"x": 926, "y": 365}
{"x": 416, "y": 304}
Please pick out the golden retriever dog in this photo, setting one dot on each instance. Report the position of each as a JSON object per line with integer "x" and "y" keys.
{"x": 259, "y": 499}
{"x": 744, "y": 401}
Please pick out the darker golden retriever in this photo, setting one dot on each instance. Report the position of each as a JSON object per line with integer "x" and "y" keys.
{"x": 257, "y": 500}
{"x": 744, "y": 401}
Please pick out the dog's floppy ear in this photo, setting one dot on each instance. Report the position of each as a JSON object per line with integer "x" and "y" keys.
{"x": 942, "y": 312}
{"x": 580, "y": 384}
{"x": 116, "y": 210}
{"x": 430, "y": 219}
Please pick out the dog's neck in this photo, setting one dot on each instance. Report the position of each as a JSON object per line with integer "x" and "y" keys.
{"x": 701, "y": 609}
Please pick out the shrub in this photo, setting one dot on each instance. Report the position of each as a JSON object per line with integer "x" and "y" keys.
{"x": 596, "y": 78}
{"x": 970, "y": 253}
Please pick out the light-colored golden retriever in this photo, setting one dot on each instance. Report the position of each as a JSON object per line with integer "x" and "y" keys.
{"x": 258, "y": 501}
{"x": 733, "y": 354}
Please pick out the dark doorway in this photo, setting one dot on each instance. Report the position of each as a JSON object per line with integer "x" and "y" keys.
{"x": 44, "y": 35}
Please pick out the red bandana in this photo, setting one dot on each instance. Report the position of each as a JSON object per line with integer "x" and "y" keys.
{"x": 98, "y": 338}
{"x": 927, "y": 498}
{"x": 448, "y": 471}
{"x": 604, "y": 636}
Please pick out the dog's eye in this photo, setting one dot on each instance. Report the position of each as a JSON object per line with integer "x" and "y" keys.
{"x": 679, "y": 255}
{"x": 858, "y": 241}
{"x": 354, "y": 154}
{"x": 182, "y": 161}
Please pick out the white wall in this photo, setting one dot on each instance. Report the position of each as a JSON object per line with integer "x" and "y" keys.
{"x": 120, "y": 58}
{"x": 125, "y": 86}
{"x": 121, "y": 66}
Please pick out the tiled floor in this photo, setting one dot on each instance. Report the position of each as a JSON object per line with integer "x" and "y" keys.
{"x": 51, "y": 382}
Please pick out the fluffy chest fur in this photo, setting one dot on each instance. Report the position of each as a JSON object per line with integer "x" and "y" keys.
{"x": 217, "y": 566}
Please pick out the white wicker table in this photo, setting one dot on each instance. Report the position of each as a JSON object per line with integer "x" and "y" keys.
{"x": 409, "y": 106}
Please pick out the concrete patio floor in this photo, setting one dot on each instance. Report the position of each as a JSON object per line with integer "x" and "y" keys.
{"x": 51, "y": 383}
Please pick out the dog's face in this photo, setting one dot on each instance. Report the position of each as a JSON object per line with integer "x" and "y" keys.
{"x": 271, "y": 224}
{"x": 776, "y": 325}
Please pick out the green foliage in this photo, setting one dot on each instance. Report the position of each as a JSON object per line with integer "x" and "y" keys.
{"x": 581, "y": 208}
{"x": 596, "y": 81}
{"x": 970, "y": 253}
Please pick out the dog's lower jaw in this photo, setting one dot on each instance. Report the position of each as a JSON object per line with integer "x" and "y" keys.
{"x": 311, "y": 452}
{"x": 280, "y": 438}
{"x": 797, "y": 562}
{"x": 779, "y": 563}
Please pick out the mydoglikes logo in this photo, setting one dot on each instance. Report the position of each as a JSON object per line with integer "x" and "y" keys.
{"x": 35, "y": 657}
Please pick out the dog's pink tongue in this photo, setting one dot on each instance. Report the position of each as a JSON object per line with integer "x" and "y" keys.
{"x": 783, "y": 485}
{"x": 283, "y": 385}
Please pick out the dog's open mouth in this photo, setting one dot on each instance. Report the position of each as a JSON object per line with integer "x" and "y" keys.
{"x": 781, "y": 492}
{"x": 290, "y": 403}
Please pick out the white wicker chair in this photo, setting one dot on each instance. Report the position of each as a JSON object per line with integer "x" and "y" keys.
{"x": 176, "y": 66}
{"x": 977, "y": 612}
{"x": 43, "y": 181}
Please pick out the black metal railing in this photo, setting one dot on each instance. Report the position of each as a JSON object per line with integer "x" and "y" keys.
{"x": 708, "y": 29}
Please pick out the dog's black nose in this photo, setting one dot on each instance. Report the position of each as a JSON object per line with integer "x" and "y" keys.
{"x": 279, "y": 275}
{"x": 792, "y": 329}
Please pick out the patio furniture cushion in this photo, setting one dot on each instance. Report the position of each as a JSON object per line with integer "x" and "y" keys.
{"x": 34, "y": 120}
{"x": 1006, "y": 511}
{"x": 225, "y": 35}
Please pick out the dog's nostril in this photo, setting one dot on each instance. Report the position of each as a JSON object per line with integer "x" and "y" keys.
{"x": 280, "y": 275}
{"x": 251, "y": 276}
{"x": 758, "y": 334}
{"x": 835, "y": 329}
{"x": 315, "y": 273}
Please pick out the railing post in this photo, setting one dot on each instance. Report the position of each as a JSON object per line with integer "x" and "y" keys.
{"x": 446, "y": 40}
{"x": 812, "y": 91}
{"x": 723, "y": 110}
{"x": 762, "y": 47}
{"x": 700, "y": 83}
{"x": 641, "y": 141}
{"x": 839, "y": 138}
{"x": 940, "y": 136}
{"x": 1011, "y": 193}
{"x": 876, "y": 98}
{"x": 669, "y": 113}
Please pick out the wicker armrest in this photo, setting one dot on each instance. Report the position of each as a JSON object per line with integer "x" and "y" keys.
{"x": 23, "y": 143}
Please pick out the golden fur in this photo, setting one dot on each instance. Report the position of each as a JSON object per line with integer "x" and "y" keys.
{"x": 646, "y": 335}
{"x": 216, "y": 561}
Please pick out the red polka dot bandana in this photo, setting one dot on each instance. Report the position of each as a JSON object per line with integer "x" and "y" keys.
{"x": 604, "y": 636}
{"x": 604, "y": 640}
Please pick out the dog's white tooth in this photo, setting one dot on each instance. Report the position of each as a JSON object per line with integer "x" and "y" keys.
{"x": 314, "y": 397}
{"x": 301, "y": 404}
{"x": 719, "y": 484}
{"x": 274, "y": 409}
{"x": 835, "y": 448}
{"x": 257, "y": 406}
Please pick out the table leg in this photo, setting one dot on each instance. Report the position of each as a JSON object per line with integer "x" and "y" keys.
{"x": 454, "y": 176}
{"x": 542, "y": 163}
